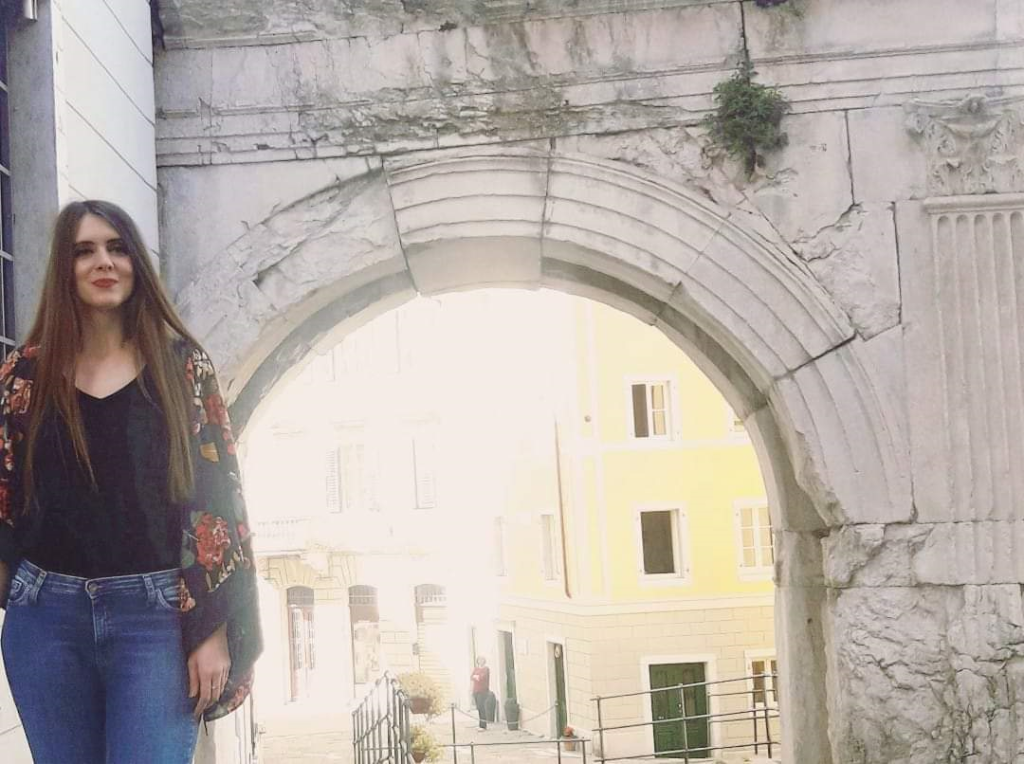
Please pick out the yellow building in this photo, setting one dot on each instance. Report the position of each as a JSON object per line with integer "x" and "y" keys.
{"x": 635, "y": 549}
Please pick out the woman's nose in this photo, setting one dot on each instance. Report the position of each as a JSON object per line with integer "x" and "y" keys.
{"x": 103, "y": 259}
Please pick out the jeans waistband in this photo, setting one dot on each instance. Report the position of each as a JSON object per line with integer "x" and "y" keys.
{"x": 35, "y": 579}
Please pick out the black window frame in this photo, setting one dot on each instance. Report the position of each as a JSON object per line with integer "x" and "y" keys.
{"x": 7, "y": 328}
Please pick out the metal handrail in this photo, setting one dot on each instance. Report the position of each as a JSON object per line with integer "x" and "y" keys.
{"x": 760, "y": 713}
{"x": 381, "y": 725}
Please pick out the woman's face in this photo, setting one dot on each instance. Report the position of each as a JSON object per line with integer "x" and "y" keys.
{"x": 104, "y": 277}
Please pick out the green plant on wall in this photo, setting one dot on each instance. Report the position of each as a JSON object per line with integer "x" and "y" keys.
{"x": 747, "y": 119}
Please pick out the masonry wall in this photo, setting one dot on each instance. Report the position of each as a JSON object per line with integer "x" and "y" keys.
{"x": 899, "y": 192}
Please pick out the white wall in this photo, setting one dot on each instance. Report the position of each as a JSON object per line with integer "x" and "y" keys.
{"x": 102, "y": 134}
{"x": 105, "y": 106}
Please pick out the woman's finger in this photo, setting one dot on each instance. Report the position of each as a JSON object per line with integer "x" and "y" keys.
{"x": 205, "y": 691}
{"x": 193, "y": 678}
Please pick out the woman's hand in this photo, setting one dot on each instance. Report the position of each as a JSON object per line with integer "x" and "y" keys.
{"x": 208, "y": 667}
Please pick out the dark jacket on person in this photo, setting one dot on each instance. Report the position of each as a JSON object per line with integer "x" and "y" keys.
{"x": 218, "y": 570}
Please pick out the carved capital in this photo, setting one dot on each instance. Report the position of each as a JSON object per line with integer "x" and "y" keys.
{"x": 974, "y": 145}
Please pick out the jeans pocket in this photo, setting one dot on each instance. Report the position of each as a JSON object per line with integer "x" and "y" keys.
{"x": 168, "y": 598}
{"x": 18, "y": 593}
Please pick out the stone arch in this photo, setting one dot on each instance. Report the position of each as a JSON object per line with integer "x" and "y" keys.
{"x": 718, "y": 281}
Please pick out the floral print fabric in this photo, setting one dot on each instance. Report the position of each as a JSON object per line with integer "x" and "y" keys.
{"x": 218, "y": 573}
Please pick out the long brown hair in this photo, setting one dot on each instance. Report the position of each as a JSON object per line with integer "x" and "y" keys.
{"x": 150, "y": 321}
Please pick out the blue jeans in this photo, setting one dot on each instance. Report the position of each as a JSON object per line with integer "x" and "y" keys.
{"x": 97, "y": 668}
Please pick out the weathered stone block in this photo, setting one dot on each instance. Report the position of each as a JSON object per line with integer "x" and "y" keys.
{"x": 806, "y": 186}
{"x": 917, "y": 674}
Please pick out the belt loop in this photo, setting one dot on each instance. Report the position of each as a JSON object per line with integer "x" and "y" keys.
{"x": 36, "y": 585}
{"x": 150, "y": 589}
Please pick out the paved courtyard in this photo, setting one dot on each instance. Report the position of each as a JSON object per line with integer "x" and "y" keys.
{"x": 310, "y": 736}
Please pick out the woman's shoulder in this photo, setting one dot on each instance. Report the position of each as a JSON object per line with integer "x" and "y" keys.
{"x": 195, "y": 359}
{"x": 19, "y": 362}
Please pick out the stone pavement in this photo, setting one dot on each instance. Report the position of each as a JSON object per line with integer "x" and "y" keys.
{"x": 306, "y": 735}
{"x": 496, "y": 745}
{"x": 303, "y": 734}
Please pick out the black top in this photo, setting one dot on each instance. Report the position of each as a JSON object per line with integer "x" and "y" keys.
{"x": 125, "y": 527}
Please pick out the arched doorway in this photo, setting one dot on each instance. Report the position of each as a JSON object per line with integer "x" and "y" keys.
{"x": 741, "y": 306}
{"x": 433, "y": 634}
{"x": 364, "y": 616}
{"x": 301, "y": 640}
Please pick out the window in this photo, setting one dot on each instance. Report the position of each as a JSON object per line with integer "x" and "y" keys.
{"x": 764, "y": 674}
{"x": 499, "y": 546}
{"x": 424, "y": 466}
{"x": 551, "y": 558}
{"x": 661, "y": 543}
{"x": 6, "y": 209}
{"x": 333, "y": 481}
{"x": 351, "y": 477}
{"x": 651, "y": 411}
{"x": 755, "y": 538}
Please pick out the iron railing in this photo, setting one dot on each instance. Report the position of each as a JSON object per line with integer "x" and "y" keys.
{"x": 756, "y": 716}
{"x": 380, "y": 725}
{"x": 567, "y": 744}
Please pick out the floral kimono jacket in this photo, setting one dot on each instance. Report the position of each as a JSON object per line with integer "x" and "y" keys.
{"x": 218, "y": 573}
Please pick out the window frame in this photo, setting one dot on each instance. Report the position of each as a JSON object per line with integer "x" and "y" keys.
{"x": 332, "y": 462}
{"x": 768, "y": 656}
{"x": 426, "y": 436}
{"x": 681, "y": 545}
{"x": 552, "y": 536}
{"x": 348, "y": 437}
{"x": 760, "y": 571}
{"x": 672, "y": 410}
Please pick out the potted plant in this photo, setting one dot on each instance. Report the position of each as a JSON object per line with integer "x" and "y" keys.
{"x": 512, "y": 713}
{"x": 570, "y": 744}
{"x": 425, "y": 694}
{"x": 423, "y": 745}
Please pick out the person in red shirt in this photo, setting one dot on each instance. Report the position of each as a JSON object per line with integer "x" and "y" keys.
{"x": 481, "y": 679}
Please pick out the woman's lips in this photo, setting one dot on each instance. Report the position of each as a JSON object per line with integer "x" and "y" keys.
{"x": 104, "y": 283}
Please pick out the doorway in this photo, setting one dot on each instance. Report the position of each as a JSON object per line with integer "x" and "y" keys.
{"x": 693, "y": 735}
{"x": 364, "y": 617}
{"x": 301, "y": 640}
{"x": 559, "y": 693}
{"x": 506, "y": 648}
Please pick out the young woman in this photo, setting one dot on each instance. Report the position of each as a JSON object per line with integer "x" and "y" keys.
{"x": 131, "y": 605}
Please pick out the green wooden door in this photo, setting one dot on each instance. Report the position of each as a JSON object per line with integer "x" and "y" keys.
{"x": 508, "y": 651}
{"x": 669, "y": 705}
{"x": 560, "y": 694}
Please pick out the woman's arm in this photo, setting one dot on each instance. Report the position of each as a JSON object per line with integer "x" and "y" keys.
{"x": 220, "y": 602}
